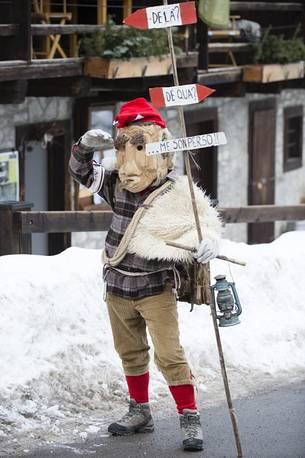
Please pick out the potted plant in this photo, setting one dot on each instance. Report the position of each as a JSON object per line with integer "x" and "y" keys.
{"x": 276, "y": 59}
{"x": 125, "y": 52}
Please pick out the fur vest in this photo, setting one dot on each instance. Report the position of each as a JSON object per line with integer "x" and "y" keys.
{"x": 171, "y": 218}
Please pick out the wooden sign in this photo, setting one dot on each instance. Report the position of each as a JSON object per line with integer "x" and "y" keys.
{"x": 179, "y": 95}
{"x": 158, "y": 17}
{"x": 186, "y": 143}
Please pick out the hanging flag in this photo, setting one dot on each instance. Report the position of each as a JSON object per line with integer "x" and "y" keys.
{"x": 215, "y": 13}
{"x": 186, "y": 143}
{"x": 179, "y": 95}
{"x": 158, "y": 17}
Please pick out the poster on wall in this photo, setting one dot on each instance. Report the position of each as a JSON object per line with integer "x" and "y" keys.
{"x": 9, "y": 176}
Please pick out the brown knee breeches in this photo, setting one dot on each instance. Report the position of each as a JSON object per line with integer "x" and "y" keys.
{"x": 129, "y": 319}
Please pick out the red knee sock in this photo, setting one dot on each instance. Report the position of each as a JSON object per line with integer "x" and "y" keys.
{"x": 138, "y": 387}
{"x": 184, "y": 396}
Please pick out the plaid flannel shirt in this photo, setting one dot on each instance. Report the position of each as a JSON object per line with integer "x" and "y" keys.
{"x": 124, "y": 204}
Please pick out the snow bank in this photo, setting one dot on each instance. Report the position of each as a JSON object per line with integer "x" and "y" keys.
{"x": 56, "y": 355}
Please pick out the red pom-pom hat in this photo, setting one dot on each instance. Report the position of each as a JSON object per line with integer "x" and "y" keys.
{"x": 138, "y": 110}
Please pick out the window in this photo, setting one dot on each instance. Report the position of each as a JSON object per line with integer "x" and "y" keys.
{"x": 293, "y": 138}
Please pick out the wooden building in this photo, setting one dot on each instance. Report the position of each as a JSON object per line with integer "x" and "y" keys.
{"x": 48, "y": 99}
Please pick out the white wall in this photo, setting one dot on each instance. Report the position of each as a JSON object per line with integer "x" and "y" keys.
{"x": 289, "y": 186}
{"x": 233, "y": 157}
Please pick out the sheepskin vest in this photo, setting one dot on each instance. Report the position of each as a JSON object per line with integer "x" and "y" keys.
{"x": 170, "y": 218}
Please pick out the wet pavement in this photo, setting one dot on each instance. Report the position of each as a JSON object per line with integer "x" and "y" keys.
{"x": 272, "y": 425}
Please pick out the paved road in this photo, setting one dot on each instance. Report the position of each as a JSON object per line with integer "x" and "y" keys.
{"x": 271, "y": 425}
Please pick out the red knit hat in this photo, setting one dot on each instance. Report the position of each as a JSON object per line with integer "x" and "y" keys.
{"x": 138, "y": 110}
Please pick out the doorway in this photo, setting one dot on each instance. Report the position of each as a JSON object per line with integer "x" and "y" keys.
{"x": 36, "y": 187}
{"x": 200, "y": 122}
{"x": 262, "y": 125}
{"x": 44, "y": 179}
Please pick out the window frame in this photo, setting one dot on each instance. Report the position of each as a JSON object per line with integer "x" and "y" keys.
{"x": 292, "y": 163}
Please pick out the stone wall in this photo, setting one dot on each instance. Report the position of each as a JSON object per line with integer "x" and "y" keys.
{"x": 32, "y": 110}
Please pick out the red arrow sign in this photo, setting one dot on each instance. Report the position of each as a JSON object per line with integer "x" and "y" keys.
{"x": 179, "y": 95}
{"x": 158, "y": 17}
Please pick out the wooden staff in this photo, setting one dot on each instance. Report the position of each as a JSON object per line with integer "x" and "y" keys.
{"x": 193, "y": 250}
{"x": 206, "y": 277}
{"x": 207, "y": 270}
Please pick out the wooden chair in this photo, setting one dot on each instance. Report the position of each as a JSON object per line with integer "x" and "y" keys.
{"x": 42, "y": 12}
{"x": 227, "y": 47}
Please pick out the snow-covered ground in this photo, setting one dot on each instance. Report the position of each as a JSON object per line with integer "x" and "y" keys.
{"x": 60, "y": 376}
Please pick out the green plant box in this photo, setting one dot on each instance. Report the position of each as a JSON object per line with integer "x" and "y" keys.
{"x": 260, "y": 73}
{"x": 134, "y": 67}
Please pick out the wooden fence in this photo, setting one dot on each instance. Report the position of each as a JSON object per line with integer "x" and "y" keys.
{"x": 18, "y": 222}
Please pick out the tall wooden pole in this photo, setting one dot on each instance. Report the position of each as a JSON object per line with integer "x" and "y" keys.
{"x": 207, "y": 273}
{"x": 206, "y": 270}
{"x": 184, "y": 134}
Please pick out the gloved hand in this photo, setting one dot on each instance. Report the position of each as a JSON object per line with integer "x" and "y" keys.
{"x": 207, "y": 250}
{"x": 97, "y": 138}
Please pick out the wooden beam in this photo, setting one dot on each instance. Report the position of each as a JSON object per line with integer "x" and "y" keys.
{"x": 55, "y": 68}
{"x": 7, "y": 30}
{"x": 74, "y": 86}
{"x": 263, "y": 213}
{"x": 225, "y": 47}
{"x": 27, "y": 222}
{"x": 266, "y": 6}
{"x": 63, "y": 221}
{"x": 220, "y": 76}
{"x": 66, "y": 29}
{"x": 44, "y": 68}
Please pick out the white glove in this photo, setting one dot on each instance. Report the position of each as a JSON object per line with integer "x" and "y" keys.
{"x": 207, "y": 250}
{"x": 97, "y": 138}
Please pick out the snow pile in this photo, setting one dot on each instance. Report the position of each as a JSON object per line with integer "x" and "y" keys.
{"x": 56, "y": 355}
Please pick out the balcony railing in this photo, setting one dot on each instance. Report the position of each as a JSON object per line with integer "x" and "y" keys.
{"x": 25, "y": 43}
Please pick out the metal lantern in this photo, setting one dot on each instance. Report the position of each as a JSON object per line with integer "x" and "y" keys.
{"x": 224, "y": 294}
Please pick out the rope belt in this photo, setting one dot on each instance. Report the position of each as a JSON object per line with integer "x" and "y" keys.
{"x": 107, "y": 268}
{"x": 135, "y": 274}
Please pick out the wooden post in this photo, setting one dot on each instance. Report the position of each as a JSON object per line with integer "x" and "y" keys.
{"x": 101, "y": 12}
{"x": 13, "y": 241}
{"x": 206, "y": 270}
{"x": 73, "y": 48}
{"x": 206, "y": 279}
{"x": 16, "y": 46}
{"x": 22, "y": 40}
{"x": 203, "y": 42}
{"x": 127, "y": 8}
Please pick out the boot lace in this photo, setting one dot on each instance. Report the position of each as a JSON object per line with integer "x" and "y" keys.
{"x": 191, "y": 423}
{"x": 132, "y": 411}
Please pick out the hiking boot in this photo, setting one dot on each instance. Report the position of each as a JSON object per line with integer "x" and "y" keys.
{"x": 191, "y": 430}
{"x": 138, "y": 419}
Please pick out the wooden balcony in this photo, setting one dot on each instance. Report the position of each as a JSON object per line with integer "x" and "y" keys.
{"x": 18, "y": 68}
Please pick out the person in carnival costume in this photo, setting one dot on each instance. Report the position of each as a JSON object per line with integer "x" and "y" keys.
{"x": 151, "y": 205}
